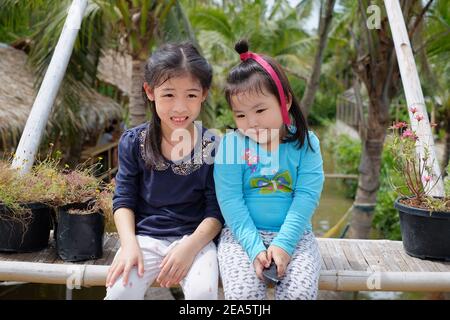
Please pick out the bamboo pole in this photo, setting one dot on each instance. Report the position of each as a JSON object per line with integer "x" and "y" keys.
{"x": 413, "y": 93}
{"x": 38, "y": 118}
{"x": 384, "y": 281}
{"x": 77, "y": 276}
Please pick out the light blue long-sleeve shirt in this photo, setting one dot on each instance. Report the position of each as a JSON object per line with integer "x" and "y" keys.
{"x": 274, "y": 191}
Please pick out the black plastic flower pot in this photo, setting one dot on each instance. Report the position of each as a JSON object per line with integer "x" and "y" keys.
{"x": 29, "y": 232}
{"x": 424, "y": 235}
{"x": 79, "y": 237}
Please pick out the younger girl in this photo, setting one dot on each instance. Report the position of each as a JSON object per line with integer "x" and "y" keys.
{"x": 269, "y": 178}
{"x": 165, "y": 206}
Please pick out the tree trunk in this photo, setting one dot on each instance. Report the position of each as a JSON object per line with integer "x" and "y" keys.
{"x": 313, "y": 81}
{"x": 369, "y": 170}
{"x": 137, "y": 106}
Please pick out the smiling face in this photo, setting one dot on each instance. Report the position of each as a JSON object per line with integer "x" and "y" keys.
{"x": 257, "y": 115}
{"x": 177, "y": 101}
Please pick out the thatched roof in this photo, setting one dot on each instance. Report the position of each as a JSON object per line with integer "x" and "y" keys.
{"x": 115, "y": 68}
{"x": 17, "y": 96}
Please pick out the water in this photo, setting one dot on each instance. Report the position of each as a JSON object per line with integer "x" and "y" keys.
{"x": 333, "y": 202}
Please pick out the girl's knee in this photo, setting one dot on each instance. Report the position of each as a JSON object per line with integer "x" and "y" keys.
{"x": 245, "y": 288}
{"x": 302, "y": 290}
{"x": 134, "y": 289}
{"x": 202, "y": 292}
{"x": 120, "y": 292}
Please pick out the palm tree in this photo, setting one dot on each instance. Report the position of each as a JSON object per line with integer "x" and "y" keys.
{"x": 132, "y": 27}
{"x": 275, "y": 31}
{"x": 326, "y": 16}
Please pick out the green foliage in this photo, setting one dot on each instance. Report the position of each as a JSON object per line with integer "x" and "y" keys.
{"x": 346, "y": 154}
{"x": 324, "y": 108}
{"x": 386, "y": 220}
{"x": 274, "y": 31}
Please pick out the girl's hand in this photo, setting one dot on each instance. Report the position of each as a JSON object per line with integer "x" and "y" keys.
{"x": 128, "y": 257}
{"x": 261, "y": 261}
{"x": 176, "y": 263}
{"x": 280, "y": 257}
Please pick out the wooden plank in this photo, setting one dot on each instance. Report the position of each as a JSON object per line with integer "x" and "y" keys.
{"x": 352, "y": 258}
{"x": 428, "y": 265}
{"x": 433, "y": 265}
{"x": 322, "y": 263}
{"x": 411, "y": 262}
{"x": 338, "y": 256}
{"x": 379, "y": 249}
{"x": 415, "y": 263}
{"x": 399, "y": 252}
{"x": 391, "y": 253}
{"x": 405, "y": 258}
{"x": 442, "y": 266}
{"x": 326, "y": 256}
{"x": 373, "y": 261}
{"x": 356, "y": 251}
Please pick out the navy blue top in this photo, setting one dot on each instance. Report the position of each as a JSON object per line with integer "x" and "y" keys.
{"x": 170, "y": 199}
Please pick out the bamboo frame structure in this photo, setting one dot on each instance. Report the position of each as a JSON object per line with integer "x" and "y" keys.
{"x": 78, "y": 275}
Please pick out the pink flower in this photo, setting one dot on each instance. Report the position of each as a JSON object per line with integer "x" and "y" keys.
{"x": 418, "y": 116}
{"x": 399, "y": 125}
{"x": 413, "y": 110}
{"x": 427, "y": 178}
{"x": 408, "y": 134}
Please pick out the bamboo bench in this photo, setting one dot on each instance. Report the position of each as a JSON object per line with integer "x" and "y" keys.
{"x": 347, "y": 265}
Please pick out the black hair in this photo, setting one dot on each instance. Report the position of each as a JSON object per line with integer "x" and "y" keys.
{"x": 169, "y": 61}
{"x": 249, "y": 75}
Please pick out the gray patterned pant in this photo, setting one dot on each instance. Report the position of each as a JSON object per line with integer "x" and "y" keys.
{"x": 239, "y": 278}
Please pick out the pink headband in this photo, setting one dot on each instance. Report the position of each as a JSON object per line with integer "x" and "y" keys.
{"x": 251, "y": 55}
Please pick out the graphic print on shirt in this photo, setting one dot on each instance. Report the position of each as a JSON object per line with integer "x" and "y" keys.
{"x": 251, "y": 160}
{"x": 280, "y": 182}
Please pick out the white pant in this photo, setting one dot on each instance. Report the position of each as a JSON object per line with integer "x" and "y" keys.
{"x": 201, "y": 282}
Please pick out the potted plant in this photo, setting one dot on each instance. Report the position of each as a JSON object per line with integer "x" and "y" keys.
{"x": 25, "y": 219}
{"x": 424, "y": 219}
{"x": 80, "y": 206}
